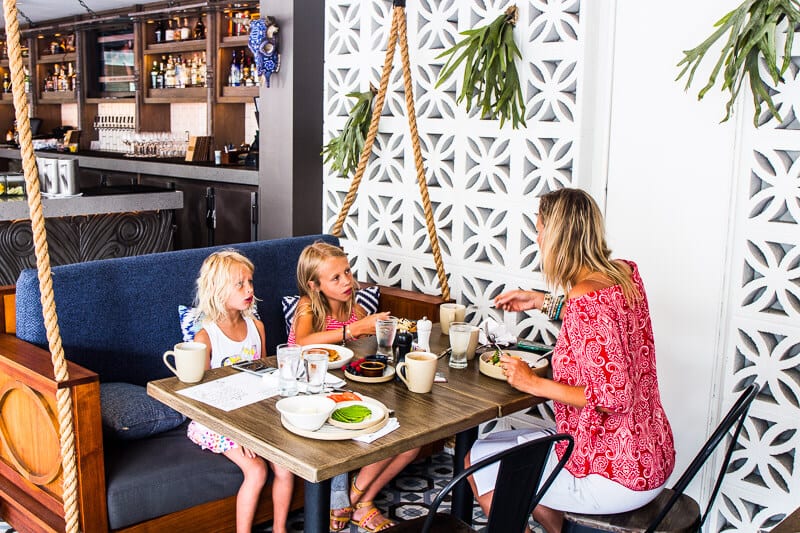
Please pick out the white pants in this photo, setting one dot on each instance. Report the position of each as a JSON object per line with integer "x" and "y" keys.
{"x": 593, "y": 494}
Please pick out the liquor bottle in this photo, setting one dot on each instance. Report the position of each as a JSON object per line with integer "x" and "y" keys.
{"x": 199, "y": 28}
{"x": 72, "y": 78}
{"x": 169, "y": 33}
{"x": 27, "y": 79}
{"x": 154, "y": 75}
{"x": 160, "y": 29}
{"x": 6, "y": 83}
{"x": 185, "y": 31}
{"x": 169, "y": 74}
{"x": 234, "y": 78}
{"x": 160, "y": 81}
{"x": 63, "y": 84}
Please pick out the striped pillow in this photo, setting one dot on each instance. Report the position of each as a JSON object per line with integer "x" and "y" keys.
{"x": 368, "y": 297}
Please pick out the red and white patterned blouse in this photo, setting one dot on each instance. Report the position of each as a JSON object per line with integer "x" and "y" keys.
{"x": 607, "y": 346}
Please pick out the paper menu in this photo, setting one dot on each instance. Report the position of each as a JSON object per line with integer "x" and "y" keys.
{"x": 232, "y": 392}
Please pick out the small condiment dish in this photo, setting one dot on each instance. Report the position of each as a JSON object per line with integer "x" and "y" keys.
{"x": 372, "y": 369}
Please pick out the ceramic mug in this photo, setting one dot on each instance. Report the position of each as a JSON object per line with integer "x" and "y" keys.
{"x": 190, "y": 358}
{"x": 450, "y": 312}
{"x": 418, "y": 371}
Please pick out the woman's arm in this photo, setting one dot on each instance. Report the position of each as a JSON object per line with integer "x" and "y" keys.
{"x": 521, "y": 377}
{"x": 519, "y": 300}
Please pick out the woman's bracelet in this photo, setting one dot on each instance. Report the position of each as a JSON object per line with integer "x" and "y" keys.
{"x": 551, "y": 305}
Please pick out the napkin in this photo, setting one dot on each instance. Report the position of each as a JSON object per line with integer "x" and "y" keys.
{"x": 503, "y": 337}
{"x": 390, "y": 426}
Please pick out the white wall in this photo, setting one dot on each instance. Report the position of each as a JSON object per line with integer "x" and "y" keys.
{"x": 670, "y": 178}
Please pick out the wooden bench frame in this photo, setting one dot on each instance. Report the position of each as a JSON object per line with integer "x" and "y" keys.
{"x": 31, "y": 495}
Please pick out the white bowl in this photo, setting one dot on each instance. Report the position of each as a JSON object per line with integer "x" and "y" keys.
{"x": 306, "y": 412}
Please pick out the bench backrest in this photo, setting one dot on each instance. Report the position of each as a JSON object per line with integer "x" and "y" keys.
{"x": 118, "y": 316}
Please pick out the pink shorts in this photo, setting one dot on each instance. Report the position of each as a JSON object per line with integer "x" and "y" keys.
{"x": 209, "y": 440}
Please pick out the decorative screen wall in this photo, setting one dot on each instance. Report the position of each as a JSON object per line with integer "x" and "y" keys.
{"x": 762, "y": 336}
{"x": 484, "y": 182}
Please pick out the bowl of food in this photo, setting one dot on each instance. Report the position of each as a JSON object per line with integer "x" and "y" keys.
{"x": 305, "y": 412}
{"x": 490, "y": 363}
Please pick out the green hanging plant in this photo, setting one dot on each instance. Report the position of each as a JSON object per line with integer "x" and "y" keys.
{"x": 344, "y": 150}
{"x": 752, "y": 29}
{"x": 490, "y": 73}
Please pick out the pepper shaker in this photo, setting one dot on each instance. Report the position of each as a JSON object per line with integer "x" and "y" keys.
{"x": 424, "y": 333}
{"x": 402, "y": 345}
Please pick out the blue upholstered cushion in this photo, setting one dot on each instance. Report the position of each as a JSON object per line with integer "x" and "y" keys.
{"x": 117, "y": 316}
{"x": 165, "y": 473}
{"x": 130, "y": 413}
{"x": 368, "y": 297}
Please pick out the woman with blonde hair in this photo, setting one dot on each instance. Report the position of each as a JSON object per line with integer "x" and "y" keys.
{"x": 604, "y": 387}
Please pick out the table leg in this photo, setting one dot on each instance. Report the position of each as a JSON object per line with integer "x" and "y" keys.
{"x": 462, "y": 493}
{"x": 317, "y": 501}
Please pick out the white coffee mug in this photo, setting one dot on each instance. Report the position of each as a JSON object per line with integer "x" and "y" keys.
{"x": 450, "y": 312}
{"x": 191, "y": 359}
{"x": 418, "y": 371}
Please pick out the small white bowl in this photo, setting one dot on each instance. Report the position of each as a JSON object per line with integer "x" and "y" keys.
{"x": 306, "y": 412}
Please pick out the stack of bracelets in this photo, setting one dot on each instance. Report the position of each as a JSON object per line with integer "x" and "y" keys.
{"x": 551, "y": 305}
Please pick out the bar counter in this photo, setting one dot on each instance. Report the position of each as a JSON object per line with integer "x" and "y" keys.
{"x": 16, "y": 207}
{"x": 167, "y": 168}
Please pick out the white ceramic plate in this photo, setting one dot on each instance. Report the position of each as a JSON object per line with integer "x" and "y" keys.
{"x": 345, "y": 354}
{"x": 538, "y": 362}
{"x": 379, "y": 412}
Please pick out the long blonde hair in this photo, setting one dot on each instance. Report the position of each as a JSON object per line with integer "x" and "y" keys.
{"x": 311, "y": 258}
{"x": 215, "y": 283}
{"x": 574, "y": 240}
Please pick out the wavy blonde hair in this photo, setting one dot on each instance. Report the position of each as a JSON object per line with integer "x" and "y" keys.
{"x": 311, "y": 258}
{"x": 215, "y": 284}
{"x": 573, "y": 239}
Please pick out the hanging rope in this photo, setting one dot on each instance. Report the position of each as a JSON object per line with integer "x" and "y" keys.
{"x": 398, "y": 29}
{"x": 63, "y": 395}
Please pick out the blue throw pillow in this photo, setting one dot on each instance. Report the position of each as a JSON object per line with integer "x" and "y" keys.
{"x": 368, "y": 297}
{"x": 130, "y": 413}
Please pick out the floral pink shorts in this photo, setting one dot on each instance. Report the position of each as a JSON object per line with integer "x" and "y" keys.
{"x": 209, "y": 440}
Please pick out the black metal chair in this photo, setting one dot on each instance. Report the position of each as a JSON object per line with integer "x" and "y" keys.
{"x": 672, "y": 510}
{"x": 515, "y": 493}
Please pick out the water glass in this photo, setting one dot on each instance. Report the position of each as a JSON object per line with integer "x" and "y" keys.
{"x": 385, "y": 331}
{"x": 316, "y": 369}
{"x": 460, "y": 333}
{"x": 288, "y": 364}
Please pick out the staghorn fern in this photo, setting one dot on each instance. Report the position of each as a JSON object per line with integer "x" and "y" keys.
{"x": 752, "y": 29}
{"x": 490, "y": 74}
{"x": 344, "y": 150}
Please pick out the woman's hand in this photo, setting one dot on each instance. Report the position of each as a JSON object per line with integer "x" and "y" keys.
{"x": 519, "y": 374}
{"x": 519, "y": 300}
{"x": 366, "y": 326}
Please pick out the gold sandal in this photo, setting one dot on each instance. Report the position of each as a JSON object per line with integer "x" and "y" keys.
{"x": 340, "y": 521}
{"x": 373, "y": 512}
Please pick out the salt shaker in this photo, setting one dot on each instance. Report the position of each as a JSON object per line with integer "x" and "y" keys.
{"x": 424, "y": 333}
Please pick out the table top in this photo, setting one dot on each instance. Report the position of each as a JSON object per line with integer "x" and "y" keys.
{"x": 790, "y": 524}
{"x": 466, "y": 400}
{"x": 467, "y": 381}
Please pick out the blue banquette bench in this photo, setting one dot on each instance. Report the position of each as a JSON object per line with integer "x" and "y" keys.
{"x": 117, "y": 317}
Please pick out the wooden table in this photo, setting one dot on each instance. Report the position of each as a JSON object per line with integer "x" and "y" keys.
{"x": 790, "y": 524}
{"x": 453, "y": 408}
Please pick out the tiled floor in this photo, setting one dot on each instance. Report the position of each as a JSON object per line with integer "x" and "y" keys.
{"x": 407, "y": 496}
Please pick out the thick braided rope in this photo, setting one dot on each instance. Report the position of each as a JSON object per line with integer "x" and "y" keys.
{"x": 377, "y": 108}
{"x": 423, "y": 183}
{"x": 63, "y": 395}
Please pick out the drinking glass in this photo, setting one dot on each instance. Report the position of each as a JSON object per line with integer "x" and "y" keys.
{"x": 288, "y": 363}
{"x": 384, "y": 331}
{"x": 316, "y": 368}
{"x": 460, "y": 333}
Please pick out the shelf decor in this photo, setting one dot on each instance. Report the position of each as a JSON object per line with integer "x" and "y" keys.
{"x": 753, "y": 30}
{"x": 344, "y": 150}
{"x": 490, "y": 72}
